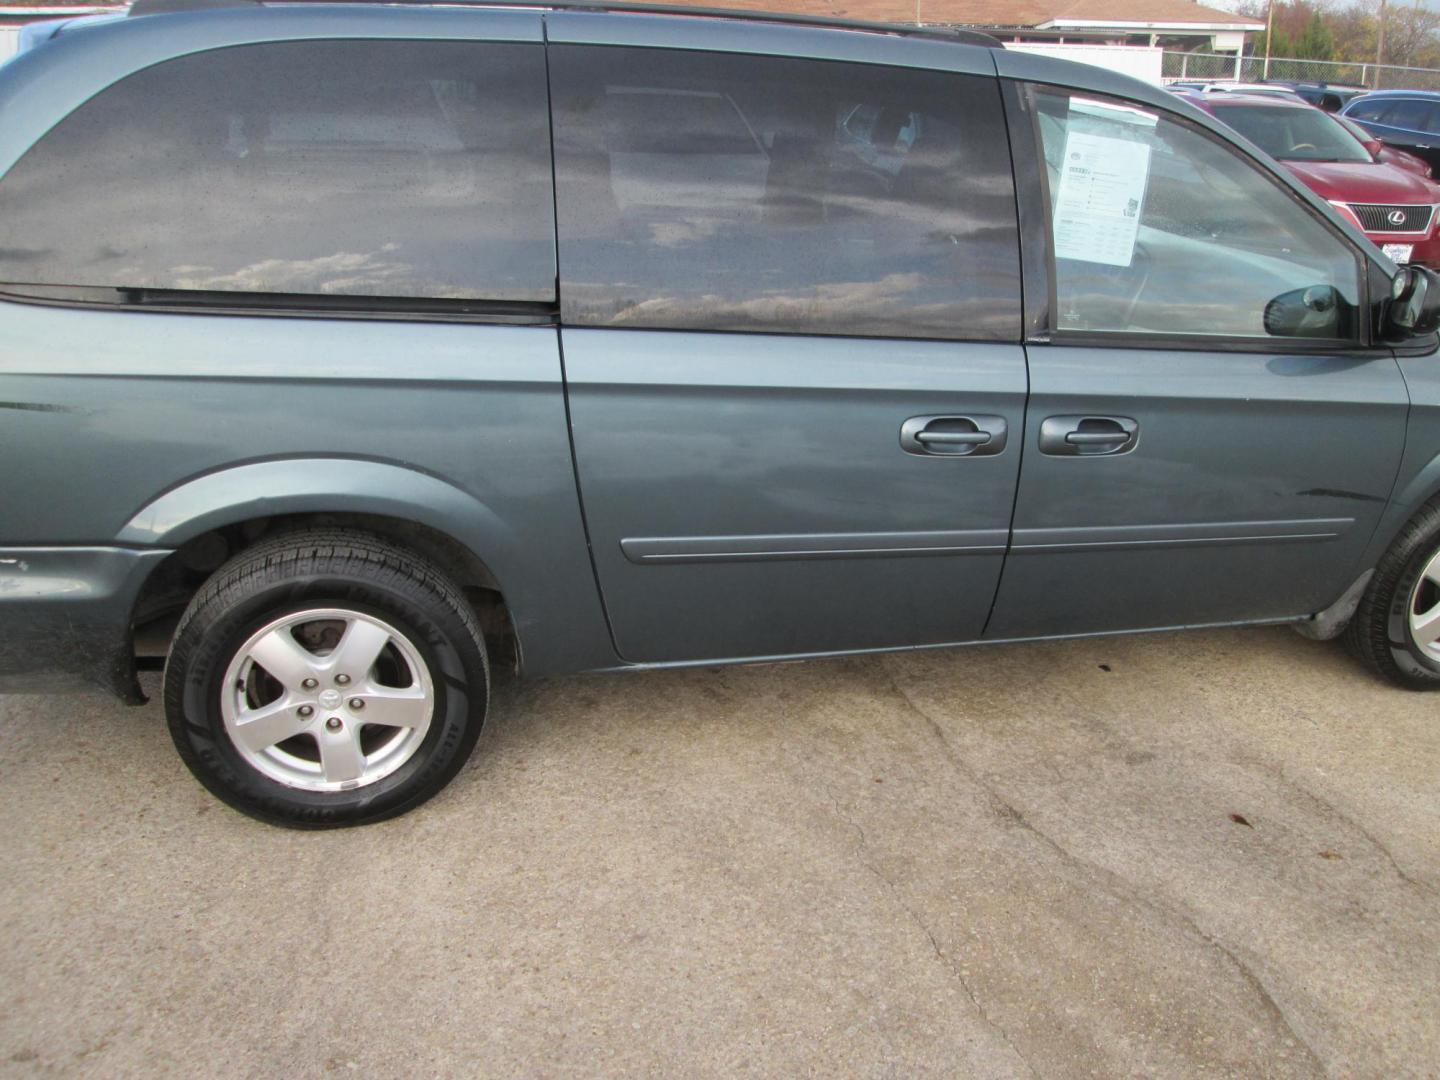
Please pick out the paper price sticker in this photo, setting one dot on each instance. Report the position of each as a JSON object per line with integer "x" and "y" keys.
{"x": 1102, "y": 188}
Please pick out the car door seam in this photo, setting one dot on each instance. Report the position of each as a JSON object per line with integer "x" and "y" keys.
{"x": 560, "y": 344}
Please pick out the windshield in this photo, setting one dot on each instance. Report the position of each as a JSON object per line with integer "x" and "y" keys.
{"x": 1294, "y": 134}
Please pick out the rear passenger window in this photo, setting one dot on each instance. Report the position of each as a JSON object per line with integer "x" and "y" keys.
{"x": 365, "y": 168}
{"x": 720, "y": 192}
{"x": 1409, "y": 113}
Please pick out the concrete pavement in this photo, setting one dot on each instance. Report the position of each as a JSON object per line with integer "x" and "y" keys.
{"x": 1214, "y": 854}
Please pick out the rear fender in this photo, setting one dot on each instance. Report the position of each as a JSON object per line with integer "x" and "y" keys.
{"x": 558, "y": 633}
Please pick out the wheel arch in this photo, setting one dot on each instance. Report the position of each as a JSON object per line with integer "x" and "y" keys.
{"x": 207, "y": 519}
{"x": 1411, "y": 494}
{"x": 277, "y": 486}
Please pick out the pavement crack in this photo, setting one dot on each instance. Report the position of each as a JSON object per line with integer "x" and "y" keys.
{"x": 1278, "y": 772}
{"x": 1117, "y": 885}
{"x": 946, "y": 961}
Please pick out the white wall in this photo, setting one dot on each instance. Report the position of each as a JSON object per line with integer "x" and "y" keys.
{"x": 1136, "y": 60}
{"x": 9, "y": 39}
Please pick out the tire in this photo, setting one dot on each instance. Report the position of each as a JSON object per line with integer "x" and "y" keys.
{"x": 1380, "y": 632}
{"x": 265, "y": 715}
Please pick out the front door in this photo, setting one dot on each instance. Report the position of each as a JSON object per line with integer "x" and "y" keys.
{"x": 791, "y": 343}
{"x": 1210, "y": 438}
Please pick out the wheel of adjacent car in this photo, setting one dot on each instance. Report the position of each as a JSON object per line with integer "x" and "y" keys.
{"x": 322, "y": 679}
{"x": 1396, "y": 629}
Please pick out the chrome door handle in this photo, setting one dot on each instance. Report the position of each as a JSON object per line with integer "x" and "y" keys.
{"x": 970, "y": 438}
{"x": 1088, "y": 436}
{"x": 954, "y": 436}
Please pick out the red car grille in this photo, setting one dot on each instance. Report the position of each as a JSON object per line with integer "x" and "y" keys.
{"x": 1393, "y": 218}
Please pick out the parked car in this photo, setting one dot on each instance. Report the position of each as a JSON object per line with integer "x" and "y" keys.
{"x": 1406, "y": 119}
{"x": 1331, "y": 97}
{"x": 1268, "y": 89}
{"x": 406, "y": 340}
{"x": 1388, "y": 154}
{"x": 1394, "y": 206}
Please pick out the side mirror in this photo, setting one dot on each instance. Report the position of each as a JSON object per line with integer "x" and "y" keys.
{"x": 1414, "y": 306}
{"x": 1306, "y": 313}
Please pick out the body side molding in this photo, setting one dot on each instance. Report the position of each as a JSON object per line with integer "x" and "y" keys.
{"x": 674, "y": 549}
{"x": 1204, "y": 534}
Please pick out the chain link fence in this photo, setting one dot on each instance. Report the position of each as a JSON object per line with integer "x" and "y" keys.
{"x": 1223, "y": 67}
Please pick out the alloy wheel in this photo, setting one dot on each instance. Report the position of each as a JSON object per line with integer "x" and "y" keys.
{"x": 327, "y": 700}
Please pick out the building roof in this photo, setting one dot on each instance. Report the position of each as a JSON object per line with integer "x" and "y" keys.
{"x": 1086, "y": 13}
{"x": 1029, "y": 13}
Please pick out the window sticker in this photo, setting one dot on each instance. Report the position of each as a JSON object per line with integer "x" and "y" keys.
{"x": 1103, "y": 177}
{"x": 1102, "y": 187}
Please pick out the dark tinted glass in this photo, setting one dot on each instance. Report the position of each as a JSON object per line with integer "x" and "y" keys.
{"x": 715, "y": 192}
{"x": 1411, "y": 114}
{"x": 1370, "y": 110}
{"x": 379, "y": 168}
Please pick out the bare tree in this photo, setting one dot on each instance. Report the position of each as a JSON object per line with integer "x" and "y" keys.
{"x": 1412, "y": 32}
{"x": 1412, "y": 36}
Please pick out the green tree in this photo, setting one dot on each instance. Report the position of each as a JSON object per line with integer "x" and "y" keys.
{"x": 1301, "y": 28}
{"x": 1315, "y": 42}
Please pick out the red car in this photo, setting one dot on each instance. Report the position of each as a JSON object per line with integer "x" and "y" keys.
{"x": 1391, "y": 201}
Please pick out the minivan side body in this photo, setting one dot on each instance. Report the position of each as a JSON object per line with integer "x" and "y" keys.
{"x": 669, "y": 340}
{"x": 126, "y": 420}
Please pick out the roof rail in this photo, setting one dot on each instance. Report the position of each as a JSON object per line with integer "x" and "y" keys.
{"x": 942, "y": 33}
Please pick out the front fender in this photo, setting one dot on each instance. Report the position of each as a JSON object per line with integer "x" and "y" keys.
{"x": 1418, "y": 479}
{"x": 1418, "y": 483}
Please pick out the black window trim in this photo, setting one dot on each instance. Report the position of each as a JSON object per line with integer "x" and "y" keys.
{"x": 1037, "y": 254}
{"x": 286, "y": 305}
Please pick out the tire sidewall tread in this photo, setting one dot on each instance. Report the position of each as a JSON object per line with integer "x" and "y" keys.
{"x": 1378, "y": 633}
{"x": 331, "y": 568}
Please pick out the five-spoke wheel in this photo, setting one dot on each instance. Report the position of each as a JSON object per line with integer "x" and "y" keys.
{"x": 327, "y": 699}
{"x": 1424, "y": 609}
{"x": 325, "y": 679}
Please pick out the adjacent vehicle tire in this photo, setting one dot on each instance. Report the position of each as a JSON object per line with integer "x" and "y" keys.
{"x": 1396, "y": 629}
{"x": 323, "y": 679}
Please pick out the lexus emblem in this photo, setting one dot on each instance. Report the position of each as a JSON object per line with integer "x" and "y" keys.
{"x": 1396, "y": 217}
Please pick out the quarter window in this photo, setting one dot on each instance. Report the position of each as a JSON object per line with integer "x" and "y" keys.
{"x": 1158, "y": 229}
{"x": 1370, "y": 111}
{"x": 371, "y": 168}
{"x": 723, "y": 192}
